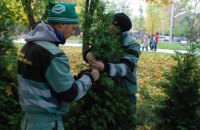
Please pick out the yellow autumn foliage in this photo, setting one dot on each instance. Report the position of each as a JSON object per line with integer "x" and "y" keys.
{"x": 17, "y": 8}
{"x": 8, "y": 90}
{"x": 164, "y": 2}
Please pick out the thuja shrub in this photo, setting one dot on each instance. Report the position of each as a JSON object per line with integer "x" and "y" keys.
{"x": 181, "y": 107}
{"x": 10, "y": 111}
{"x": 107, "y": 106}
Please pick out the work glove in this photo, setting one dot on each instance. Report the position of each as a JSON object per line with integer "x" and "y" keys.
{"x": 99, "y": 65}
{"x": 95, "y": 74}
{"x": 90, "y": 57}
{"x": 95, "y": 64}
{"x": 85, "y": 53}
{"x": 81, "y": 73}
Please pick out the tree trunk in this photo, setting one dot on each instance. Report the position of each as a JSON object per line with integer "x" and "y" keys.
{"x": 28, "y": 9}
{"x": 195, "y": 27}
{"x": 90, "y": 7}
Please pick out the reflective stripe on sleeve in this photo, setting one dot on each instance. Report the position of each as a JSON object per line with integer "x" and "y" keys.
{"x": 35, "y": 91}
{"x": 83, "y": 89}
{"x": 113, "y": 70}
{"x": 41, "y": 103}
{"x": 80, "y": 91}
{"x": 86, "y": 79}
{"x": 123, "y": 68}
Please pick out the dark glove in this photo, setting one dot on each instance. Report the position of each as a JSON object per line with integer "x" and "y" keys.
{"x": 80, "y": 74}
{"x": 94, "y": 74}
{"x": 85, "y": 54}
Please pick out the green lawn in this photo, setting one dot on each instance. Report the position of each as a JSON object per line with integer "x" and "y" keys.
{"x": 75, "y": 38}
{"x": 170, "y": 46}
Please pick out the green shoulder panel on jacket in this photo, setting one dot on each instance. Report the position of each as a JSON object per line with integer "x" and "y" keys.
{"x": 132, "y": 47}
{"x": 49, "y": 46}
{"x": 128, "y": 40}
{"x": 58, "y": 74}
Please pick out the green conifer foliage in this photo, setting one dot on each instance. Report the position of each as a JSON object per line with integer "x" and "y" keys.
{"x": 9, "y": 108}
{"x": 107, "y": 106}
{"x": 181, "y": 106}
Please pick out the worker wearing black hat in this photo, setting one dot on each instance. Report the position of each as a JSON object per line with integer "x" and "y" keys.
{"x": 122, "y": 21}
{"x": 126, "y": 69}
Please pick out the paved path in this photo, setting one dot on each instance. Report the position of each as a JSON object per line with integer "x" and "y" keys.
{"x": 74, "y": 43}
{"x": 165, "y": 51}
{"x": 68, "y": 42}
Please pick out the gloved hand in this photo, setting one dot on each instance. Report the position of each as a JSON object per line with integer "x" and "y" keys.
{"x": 81, "y": 73}
{"x": 95, "y": 74}
{"x": 90, "y": 57}
{"x": 99, "y": 65}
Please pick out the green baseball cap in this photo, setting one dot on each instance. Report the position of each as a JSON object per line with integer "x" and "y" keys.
{"x": 62, "y": 13}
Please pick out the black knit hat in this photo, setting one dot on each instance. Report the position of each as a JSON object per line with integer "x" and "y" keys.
{"x": 123, "y": 21}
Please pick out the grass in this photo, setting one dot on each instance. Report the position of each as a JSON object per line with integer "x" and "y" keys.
{"x": 75, "y": 38}
{"x": 170, "y": 46}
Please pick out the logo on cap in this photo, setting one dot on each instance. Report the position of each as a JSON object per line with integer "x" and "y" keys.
{"x": 58, "y": 9}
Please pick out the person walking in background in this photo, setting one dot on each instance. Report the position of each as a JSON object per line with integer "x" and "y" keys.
{"x": 151, "y": 39}
{"x": 153, "y": 43}
{"x": 156, "y": 38}
{"x": 145, "y": 42}
{"x": 46, "y": 85}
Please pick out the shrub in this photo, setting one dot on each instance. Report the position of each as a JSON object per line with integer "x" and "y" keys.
{"x": 10, "y": 111}
{"x": 181, "y": 106}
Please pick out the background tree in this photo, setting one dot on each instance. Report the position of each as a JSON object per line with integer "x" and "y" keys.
{"x": 164, "y": 2}
{"x": 182, "y": 18}
{"x": 195, "y": 29}
{"x": 90, "y": 6}
{"x": 182, "y": 11}
{"x": 183, "y": 25}
{"x": 6, "y": 20}
{"x": 138, "y": 22}
{"x": 152, "y": 20}
{"x": 36, "y": 10}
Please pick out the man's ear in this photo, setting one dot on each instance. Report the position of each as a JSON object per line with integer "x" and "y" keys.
{"x": 58, "y": 26}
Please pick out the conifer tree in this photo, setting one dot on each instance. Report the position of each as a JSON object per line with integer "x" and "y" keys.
{"x": 9, "y": 108}
{"x": 181, "y": 106}
{"x": 107, "y": 105}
